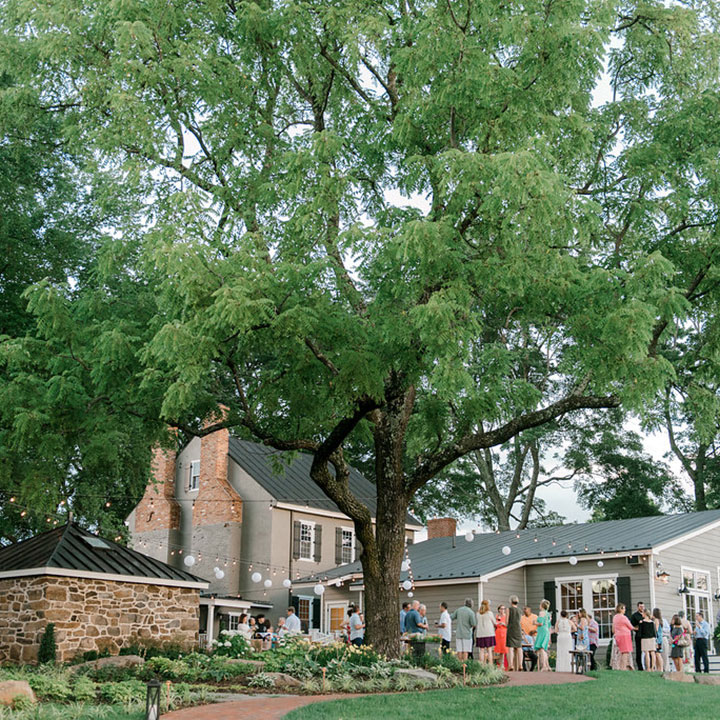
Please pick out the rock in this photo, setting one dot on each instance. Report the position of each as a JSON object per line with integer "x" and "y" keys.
{"x": 678, "y": 677}
{"x": 281, "y": 679}
{"x": 707, "y": 679}
{"x": 416, "y": 673}
{"x": 119, "y": 661}
{"x": 10, "y": 689}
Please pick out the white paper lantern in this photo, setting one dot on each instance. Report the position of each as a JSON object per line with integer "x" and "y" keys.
{"x": 219, "y": 574}
{"x": 600, "y": 563}
{"x": 319, "y": 589}
{"x": 410, "y": 594}
{"x": 404, "y": 566}
{"x": 256, "y": 577}
{"x": 469, "y": 536}
{"x": 189, "y": 560}
{"x": 506, "y": 550}
{"x": 268, "y": 583}
{"x": 287, "y": 583}
{"x": 407, "y": 585}
{"x": 573, "y": 560}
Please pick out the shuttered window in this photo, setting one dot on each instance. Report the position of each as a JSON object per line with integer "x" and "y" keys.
{"x": 194, "y": 483}
{"x": 344, "y": 545}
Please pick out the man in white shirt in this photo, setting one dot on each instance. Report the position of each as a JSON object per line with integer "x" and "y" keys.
{"x": 292, "y": 622}
{"x": 445, "y": 628}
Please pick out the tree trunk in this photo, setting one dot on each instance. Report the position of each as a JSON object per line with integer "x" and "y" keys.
{"x": 381, "y": 560}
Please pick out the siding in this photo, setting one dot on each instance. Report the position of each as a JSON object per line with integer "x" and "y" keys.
{"x": 499, "y": 589}
{"x": 699, "y": 553}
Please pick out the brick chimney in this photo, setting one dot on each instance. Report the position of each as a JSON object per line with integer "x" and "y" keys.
{"x": 158, "y": 509}
{"x": 441, "y": 527}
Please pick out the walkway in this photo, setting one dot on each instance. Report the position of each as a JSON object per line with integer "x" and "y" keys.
{"x": 272, "y": 707}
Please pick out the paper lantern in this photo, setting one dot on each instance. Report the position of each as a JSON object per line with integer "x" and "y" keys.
{"x": 573, "y": 560}
{"x": 268, "y": 583}
{"x": 287, "y": 583}
{"x": 600, "y": 563}
{"x": 469, "y": 536}
{"x": 404, "y": 566}
{"x": 407, "y": 585}
{"x": 319, "y": 589}
{"x": 189, "y": 560}
{"x": 219, "y": 574}
{"x": 506, "y": 550}
{"x": 410, "y": 594}
{"x": 256, "y": 577}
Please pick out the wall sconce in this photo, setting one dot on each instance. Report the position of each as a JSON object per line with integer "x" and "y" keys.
{"x": 663, "y": 576}
{"x": 683, "y": 589}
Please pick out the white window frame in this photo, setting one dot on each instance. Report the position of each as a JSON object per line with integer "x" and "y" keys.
{"x": 311, "y": 555}
{"x": 194, "y": 486}
{"x": 334, "y": 605}
{"x": 352, "y": 545}
{"x": 587, "y": 602}
{"x": 231, "y": 617}
{"x": 707, "y": 594}
{"x": 310, "y": 599}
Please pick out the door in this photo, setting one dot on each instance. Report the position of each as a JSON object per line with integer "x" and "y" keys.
{"x": 335, "y": 616}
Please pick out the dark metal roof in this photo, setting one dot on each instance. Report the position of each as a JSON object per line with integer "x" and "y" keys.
{"x": 286, "y": 476}
{"x": 454, "y": 557}
{"x": 67, "y": 548}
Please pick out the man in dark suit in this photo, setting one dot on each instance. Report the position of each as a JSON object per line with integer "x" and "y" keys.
{"x": 636, "y": 619}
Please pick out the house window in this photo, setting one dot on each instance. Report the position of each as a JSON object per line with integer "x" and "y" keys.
{"x": 233, "y": 622}
{"x": 304, "y": 611}
{"x": 348, "y": 545}
{"x": 307, "y": 538}
{"x": 598, "y": 595}
{"x": 194, "y": 475}
{"x": 698, "y": 599}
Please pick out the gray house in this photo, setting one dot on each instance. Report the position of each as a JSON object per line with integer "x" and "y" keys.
{"x": 671, "y": 562}
{"x": 251, "y": 521}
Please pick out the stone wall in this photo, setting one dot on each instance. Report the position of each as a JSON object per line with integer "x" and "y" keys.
{"x": 92, "y": 615}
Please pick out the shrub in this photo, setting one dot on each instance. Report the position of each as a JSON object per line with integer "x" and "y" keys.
{"x": 48, "y": 649}
{"x": 84, "y": 689}
{"x": 232, "y": 644}
{"x": 49, "y": 686}
{"x": 21, "y": 702}
{"x": 124, "y": 693}
{"x": 262, "y": 680}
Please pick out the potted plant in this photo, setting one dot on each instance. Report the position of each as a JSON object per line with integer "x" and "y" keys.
{"x": 417, "y": 643}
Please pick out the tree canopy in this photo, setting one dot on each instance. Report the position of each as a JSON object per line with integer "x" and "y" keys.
{"x": 412, "y": 222}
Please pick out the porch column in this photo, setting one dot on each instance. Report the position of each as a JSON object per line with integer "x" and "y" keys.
{"x": 210, "y": 624}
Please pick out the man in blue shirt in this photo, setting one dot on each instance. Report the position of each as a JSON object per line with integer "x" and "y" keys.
{"x": 403, "y": 613}
{"x": 702, "y": 638}
{"x": 413, "y": 621}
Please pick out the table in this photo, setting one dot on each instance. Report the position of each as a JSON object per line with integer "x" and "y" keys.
{"x": 579, "y": 661}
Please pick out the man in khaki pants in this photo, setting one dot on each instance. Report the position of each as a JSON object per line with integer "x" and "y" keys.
{"x": 514, "y": 636}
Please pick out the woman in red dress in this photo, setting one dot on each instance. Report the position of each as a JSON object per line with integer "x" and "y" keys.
{"x": 501, "y": 637}
{"x": 622, "y": 637}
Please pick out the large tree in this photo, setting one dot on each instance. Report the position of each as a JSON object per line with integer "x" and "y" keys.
{"x": 358, "y": 213}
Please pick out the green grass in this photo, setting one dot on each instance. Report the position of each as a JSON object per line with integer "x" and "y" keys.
{"x": 73, "y": 711}
{"x": 611, "y": 696}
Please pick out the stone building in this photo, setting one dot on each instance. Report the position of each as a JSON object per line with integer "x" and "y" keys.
{"x": 100, "y": 596}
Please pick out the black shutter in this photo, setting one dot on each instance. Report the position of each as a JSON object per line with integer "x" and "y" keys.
{"x": 409, "y": 541}
{"x": 318, "y": 543}
{"x": 315, "y": 620}
{"x": 295, "y": 602}
{"x": 623, "y": 593}
{"x": 296, "y": 540}
{"x": 338, "y": 546}
{"x": 549, "y": 592}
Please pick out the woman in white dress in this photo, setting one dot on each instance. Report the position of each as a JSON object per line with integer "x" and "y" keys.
{"x": 564, "y": 629}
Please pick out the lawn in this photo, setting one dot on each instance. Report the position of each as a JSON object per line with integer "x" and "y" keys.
{"x": 74, "y": 711}
{"x": 611, "y": 696}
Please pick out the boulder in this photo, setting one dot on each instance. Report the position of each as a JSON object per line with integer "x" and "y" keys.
{"x": 417, "y": 673}
{"x": 283, "y": 680}
{"x": 707, "y": 679}
{"x": 678, "y": 677}
{"x": 119, "y": 661}
{"x": 10, "y": 689}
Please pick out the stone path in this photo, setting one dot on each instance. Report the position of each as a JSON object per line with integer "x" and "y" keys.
{"x": 273, "y": 707}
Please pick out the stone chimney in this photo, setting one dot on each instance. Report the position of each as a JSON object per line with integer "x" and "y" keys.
{"x": 441, "y": 527}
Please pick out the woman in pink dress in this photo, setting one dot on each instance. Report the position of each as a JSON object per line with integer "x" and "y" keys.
{"x": 622, "y": 636}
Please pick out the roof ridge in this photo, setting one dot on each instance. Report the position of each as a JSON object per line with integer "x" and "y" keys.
{"x": 60, "y": 541}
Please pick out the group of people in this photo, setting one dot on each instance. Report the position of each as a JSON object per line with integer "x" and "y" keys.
{"x": 260, "y": 631}
{"x": 513, "y": 639}
{"x": 658, "y": 641}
